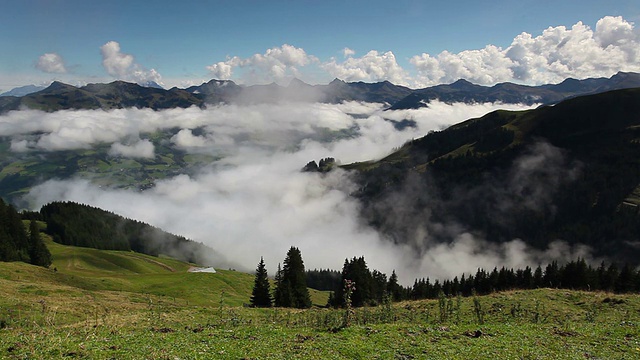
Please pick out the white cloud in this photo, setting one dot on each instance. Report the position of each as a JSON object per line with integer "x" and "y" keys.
{"x": 275, "y": 64}
{"x": 20, "y": 145}
{"x": 486, "y": 66}
{"x": 255, "y": 201}
{"x": 141, "y": 149}
{"x": 371, "y": 67}
{"x": 551, "y": 57}
{"x": 123, "y": 66}
{"x": 223, "y": 70}
{"x": 346, "y": 52}
{"x": 51, "y": 63}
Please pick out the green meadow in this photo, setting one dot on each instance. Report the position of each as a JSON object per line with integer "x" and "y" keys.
{"x": 94, "y": 304}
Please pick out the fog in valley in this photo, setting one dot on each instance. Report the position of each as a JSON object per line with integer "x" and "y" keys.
{"x": 255, "y": 201}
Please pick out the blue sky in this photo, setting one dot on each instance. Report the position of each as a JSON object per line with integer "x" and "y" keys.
{"x": 179, "y": 42}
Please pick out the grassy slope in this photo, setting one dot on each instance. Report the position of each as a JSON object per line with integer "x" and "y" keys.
{"x": 85, "y": 269}
{"x": 539, "y": 324}
{"x": 110, "y": 304}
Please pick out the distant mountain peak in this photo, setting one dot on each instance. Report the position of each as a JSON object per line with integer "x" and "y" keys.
{"x": 295, "y": 82}
{"x": 151, "y": 84}
{"x": 462, "y": 83}
{"x": 23, "y": 90}
{"x": 57, "y": 85}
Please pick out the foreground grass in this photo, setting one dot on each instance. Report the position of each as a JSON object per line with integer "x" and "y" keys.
{"x": 540, "y": 324}
{"x": 564, "y": 325}
{"x": 115, "y": 305}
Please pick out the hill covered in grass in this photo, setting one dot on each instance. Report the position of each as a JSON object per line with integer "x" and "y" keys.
{"x": 80, "y": 270}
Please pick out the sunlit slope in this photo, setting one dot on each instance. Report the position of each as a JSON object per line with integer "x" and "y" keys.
{"x": 81, "y": 270}
{"x": 86, "y": 262}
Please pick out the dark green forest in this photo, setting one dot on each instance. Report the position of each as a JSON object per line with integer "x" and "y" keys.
{"x": 574, "y": 275}
{"x": 75, "y": 224}
{"x": 373, "y": 288}
{"x": 18, "y": 244}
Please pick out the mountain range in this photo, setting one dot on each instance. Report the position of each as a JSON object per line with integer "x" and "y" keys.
{"x": 120, "y": 94}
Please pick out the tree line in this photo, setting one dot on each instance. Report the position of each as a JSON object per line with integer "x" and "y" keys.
{"x": 371, "y": 288}
{"x": 18, "y": 243}
{"x": 574, "y": 275}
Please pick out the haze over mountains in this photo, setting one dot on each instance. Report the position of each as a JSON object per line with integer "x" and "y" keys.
{"x": 120, "y": 94}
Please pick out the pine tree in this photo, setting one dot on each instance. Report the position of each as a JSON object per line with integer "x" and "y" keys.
{"x": 277, "y": 292}
{"x": 395, "y": 289}
{"x": 292, "y": 290}
{"x": 261, "y": 295}
{"x": 38, "y": 252}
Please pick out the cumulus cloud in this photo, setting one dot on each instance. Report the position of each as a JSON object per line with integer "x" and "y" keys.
{"x": 141, "y": 149}
{"x": 275, "y": 64}
{"x": 373, "y": 66}
{"x": 51, "y": 63}
{"x": 551, "y": 57}
{"x": 223, "y": 70}
{"x": 123, "y": 66}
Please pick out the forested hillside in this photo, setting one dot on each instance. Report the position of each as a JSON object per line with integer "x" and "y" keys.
{"x": 567, "y": 172}
{"x": 82, "y": 225}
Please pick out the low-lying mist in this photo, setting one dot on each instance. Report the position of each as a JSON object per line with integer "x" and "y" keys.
{"x": 255, "y": 201}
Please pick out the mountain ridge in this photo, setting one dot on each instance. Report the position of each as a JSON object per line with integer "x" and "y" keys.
{"x": 120, "y": 94}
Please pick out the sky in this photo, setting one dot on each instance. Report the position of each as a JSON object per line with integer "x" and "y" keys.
{"x": 412, "y": 43}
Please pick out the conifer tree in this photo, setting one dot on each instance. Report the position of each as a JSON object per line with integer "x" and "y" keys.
{"x": 292, "y": 290}
{"x": 261, "y": 295}
{"x": 394, "y": 288}
{"x": 38, "y": 252}
{"x": 278, "y": 294}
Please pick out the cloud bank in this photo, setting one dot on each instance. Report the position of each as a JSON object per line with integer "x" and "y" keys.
{"x": 254, "y": 201}
{"x": 550, "y": 57}
{"x": 372, "y": 67}
{"x": 275, "y": 64}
